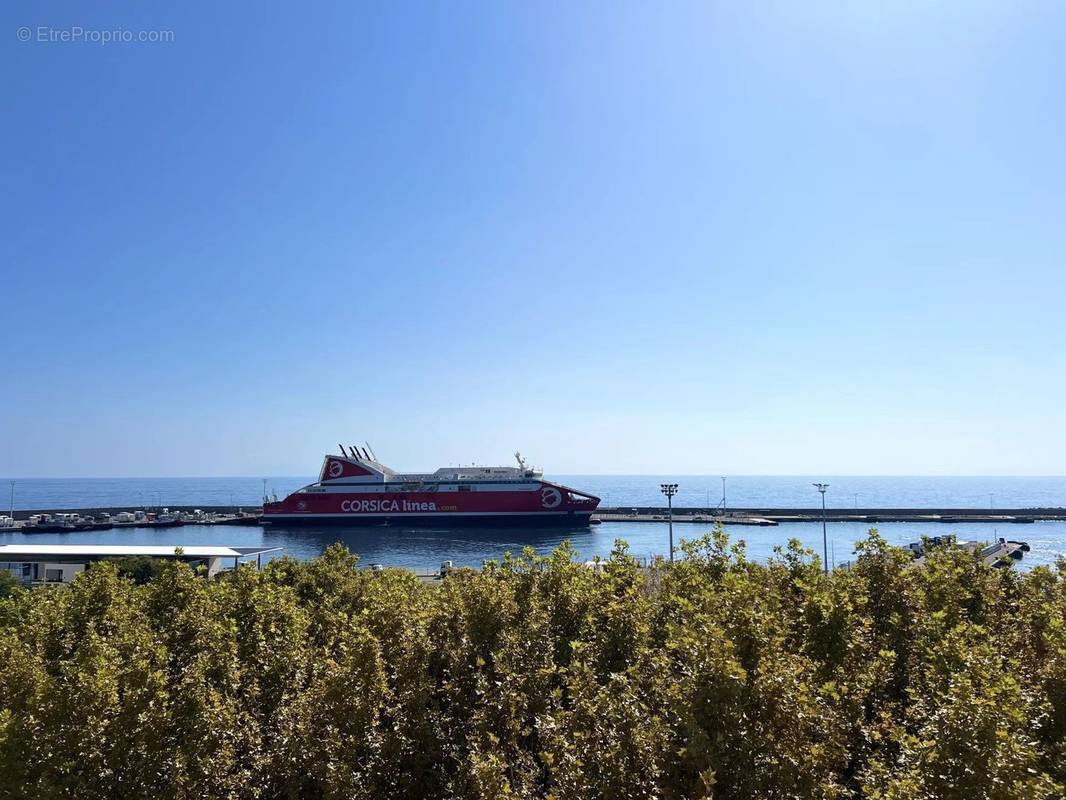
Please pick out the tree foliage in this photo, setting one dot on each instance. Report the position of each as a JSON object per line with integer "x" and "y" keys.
{"x": 141, "y": 569}
{"x": 537, "y": 677}
{"x": 8, "y": 583}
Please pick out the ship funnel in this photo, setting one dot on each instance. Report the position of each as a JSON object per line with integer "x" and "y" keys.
{"x": 343, "y": 451}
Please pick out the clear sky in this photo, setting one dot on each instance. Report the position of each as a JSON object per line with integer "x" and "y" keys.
{"x": 622, "y": 237}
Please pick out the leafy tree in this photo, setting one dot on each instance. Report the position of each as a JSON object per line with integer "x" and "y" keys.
{"x": 139, "y": 569}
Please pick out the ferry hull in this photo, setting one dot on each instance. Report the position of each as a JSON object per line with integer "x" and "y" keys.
{"x": 542, "y": 504}
{"x": 448, "y": 520}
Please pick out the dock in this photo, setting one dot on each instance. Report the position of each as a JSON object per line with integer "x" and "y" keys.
{"x": 617, "y": 515}
{"x": 872, "y": 516}
{"x": 995, "y": 554}
{"x": 758, "y": 517}
{"x": 106, "y": 519}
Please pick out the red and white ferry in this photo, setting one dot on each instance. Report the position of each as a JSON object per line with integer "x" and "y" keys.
{"x": 355, "y": 488}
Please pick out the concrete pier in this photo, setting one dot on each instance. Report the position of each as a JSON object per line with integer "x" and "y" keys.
{"x": 227, "y": 511}
{"x": 734, "y": 516}
{"x": 773, "y": 516}
{"x": 619, "y": 515}
{"x": 995, "y": 554}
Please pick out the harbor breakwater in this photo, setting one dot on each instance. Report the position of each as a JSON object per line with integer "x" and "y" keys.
{"x": 734, "y": 516}
{"x": 771, "y": 516}
{"x": 228, "y": 511}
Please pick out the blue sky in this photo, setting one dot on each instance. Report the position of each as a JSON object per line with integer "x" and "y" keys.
{"x": 622, "y": 237}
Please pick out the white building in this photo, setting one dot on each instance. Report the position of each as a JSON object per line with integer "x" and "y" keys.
{"x": 60, "y": 563}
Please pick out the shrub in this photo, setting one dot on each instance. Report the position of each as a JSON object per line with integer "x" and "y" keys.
{"x": 537, "y": 677}
{"x": 139, "y": 569}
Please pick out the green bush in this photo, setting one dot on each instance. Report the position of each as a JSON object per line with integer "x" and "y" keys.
{"x": 537, "y": 677}
{"x": 9, "y": 583}
{"x": 140, "y": 569}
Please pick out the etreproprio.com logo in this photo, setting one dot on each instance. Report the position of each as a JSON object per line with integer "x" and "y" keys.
{"x": 76, "y": 34}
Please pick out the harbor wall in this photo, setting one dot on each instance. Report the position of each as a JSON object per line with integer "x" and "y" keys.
{"x": 872, "y": 515}
{"x": 812, "y": 514}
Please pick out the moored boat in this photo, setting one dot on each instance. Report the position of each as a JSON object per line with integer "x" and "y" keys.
{"x": 355, "y": 488}
{"x": 167, "y": 519}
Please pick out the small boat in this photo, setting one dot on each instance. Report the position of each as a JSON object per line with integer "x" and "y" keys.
{"x": 167, "y": 519}
{"x": 51, "y": 523}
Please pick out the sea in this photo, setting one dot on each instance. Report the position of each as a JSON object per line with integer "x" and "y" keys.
{"x": 424, "y": 549}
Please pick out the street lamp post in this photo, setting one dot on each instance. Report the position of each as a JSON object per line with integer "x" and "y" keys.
{"x": 12, "y": 502}
{"x": 670, "y": 489}
{"x": 723, "y": 495}
{"x": 821, "y": 487}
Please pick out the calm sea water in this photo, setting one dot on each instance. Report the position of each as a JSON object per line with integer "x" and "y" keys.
{"x": 423, "y": 548}
{"x": 426, "y": 548}
{"x": 751, "y": 491}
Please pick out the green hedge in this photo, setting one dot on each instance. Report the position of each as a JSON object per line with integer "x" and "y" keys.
{"x": 541, "y": 678}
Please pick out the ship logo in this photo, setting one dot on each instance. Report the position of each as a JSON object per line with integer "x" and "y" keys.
{"x": 302, "y": 505}
{"x": 335, "y": 469}
{"x": 550, "y": 497}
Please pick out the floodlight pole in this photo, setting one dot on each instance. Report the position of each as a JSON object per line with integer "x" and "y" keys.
{"x": 821, "y": 487}
{"x": 670, "y": 489}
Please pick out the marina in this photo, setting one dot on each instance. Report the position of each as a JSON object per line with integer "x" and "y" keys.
{"x": 99, "y": 519}
{"x": 60, "y": 520}
{"x": 419, "y": 547}
{"x": 207, "y": 511}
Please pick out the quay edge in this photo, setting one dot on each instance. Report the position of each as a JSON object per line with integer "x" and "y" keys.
{"x": 774, "y": 516}
{"x": 732, "y": 516}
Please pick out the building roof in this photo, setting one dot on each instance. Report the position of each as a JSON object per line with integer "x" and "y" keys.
{"x": 105, "y": 550}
